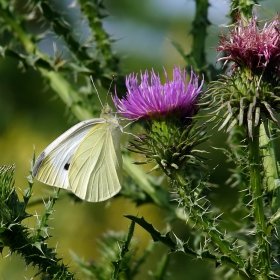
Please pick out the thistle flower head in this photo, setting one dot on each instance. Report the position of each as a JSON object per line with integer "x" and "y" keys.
{"x": 251, "y": 94}
{"x": 169, "y": 108}
{"x": 248, "y": 45}
{"x": 152, "y": 99}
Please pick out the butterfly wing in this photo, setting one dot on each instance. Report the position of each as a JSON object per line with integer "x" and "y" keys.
{"x": 96, "y": 169}
{"x": 52, "y": 165}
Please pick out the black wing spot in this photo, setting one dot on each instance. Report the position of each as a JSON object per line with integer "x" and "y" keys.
{"x": 66, "y": 166}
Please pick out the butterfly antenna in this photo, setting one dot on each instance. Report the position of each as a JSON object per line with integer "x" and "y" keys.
{"x": 113, "y": 77}
{"x": 96, "y": 90}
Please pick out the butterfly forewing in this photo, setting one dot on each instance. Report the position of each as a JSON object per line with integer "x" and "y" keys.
{"x": 96, "y": 169}
{"x": 52, "y": 165}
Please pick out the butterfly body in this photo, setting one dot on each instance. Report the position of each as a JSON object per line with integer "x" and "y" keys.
{"x": 86, "y": 159}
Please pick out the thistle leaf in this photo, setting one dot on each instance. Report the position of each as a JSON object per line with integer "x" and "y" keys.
{"x": 156, "y": 235}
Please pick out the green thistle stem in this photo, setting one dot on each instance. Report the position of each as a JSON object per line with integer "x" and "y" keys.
{"x": 124, "y": 249}
{"x": 18, "y": 31}
{"x": 58, "y": 83}
{"x": 206, "y": 224}
{"x": 91, "y": 9}
{"x": 67, "y": 93}
{"x": 258, "y": 207}
{"x": 241, "y": 8}
{"x": 61, "y": 28}
{"x": 271, "y": 171}
{"x": 197, "y": 56}
{"x": 162, "y": 267}
{"x": 159, "y": 196}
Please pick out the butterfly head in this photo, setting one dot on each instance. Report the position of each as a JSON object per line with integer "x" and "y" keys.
{"x": 106, "y": 112}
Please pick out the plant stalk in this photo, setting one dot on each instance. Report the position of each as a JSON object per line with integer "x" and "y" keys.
{"x": 207, "y": 225}
{"x": 271, "y": 171}
{"x": 262, "y": 252}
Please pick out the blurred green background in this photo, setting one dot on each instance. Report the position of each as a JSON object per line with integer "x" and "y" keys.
{"x": 31, "y": 116}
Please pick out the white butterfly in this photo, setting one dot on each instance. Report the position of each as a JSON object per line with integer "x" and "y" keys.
{"x": 86, "y": 159}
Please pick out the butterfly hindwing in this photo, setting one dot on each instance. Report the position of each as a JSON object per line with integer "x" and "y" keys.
{"x": 96, "y": 169}
{"x": 52, "y": 165}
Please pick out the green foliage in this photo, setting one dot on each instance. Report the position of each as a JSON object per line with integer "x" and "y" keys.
{"x": 54, "y": 69}
{"x": 249, "y": 250}
{"x": 119, "y": 257}
{"x": 30, "y": 244}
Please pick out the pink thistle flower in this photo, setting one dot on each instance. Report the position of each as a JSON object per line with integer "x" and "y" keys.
{"x": 151, "y": 99}
{"x": 249, "y": 46}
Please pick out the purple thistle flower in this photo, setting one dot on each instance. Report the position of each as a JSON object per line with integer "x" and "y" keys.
{"x": 247, "y": 45}
{"x": 151, "y": 99}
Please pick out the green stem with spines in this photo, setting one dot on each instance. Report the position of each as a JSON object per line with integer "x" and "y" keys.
{"x": 22, "y": 35}
{"x": 62, "y": 28}
{"x": 91, "y": 9}
{"x": 123, "y": 250}
{"x": 159, "y": 196}
{"x": 92, "y": 65}
{"x": 58, "y": 83}
{"x": 207, "y": 225}
{"x": 262, "y": 252}
{"x": 271, "y": 171}
{"x": 241, "y": 8}
{"x": 29, "y": 244}
{"x": 197, "y": 57}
